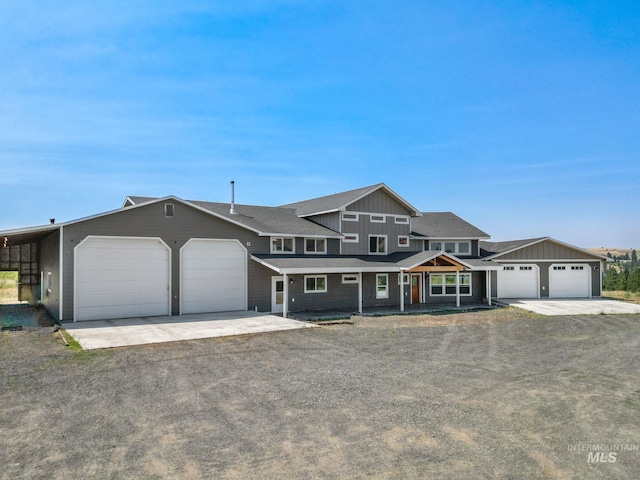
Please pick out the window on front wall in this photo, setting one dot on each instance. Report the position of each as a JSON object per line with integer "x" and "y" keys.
{"x": 378, "y": 218}
{"x": 405, "y": 277}
{"x": 282, "y": 245}
{"x": 315, "y": 283}
{"x": 403, "y": 241}
{"x": 349, "y": 217}
{"x": 349, "y": 278}
{"x": 315, "y": 245}
{"x": 382, "y": 285}
{"x": 462, "y": 248}
{"x": 350, "y": 238}
{"x": 402, "y": 220}
{"x": 377, "y": 244}
{"x": 445, "y": 284}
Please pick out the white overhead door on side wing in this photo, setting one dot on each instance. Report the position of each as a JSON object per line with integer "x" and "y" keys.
{"x": 213, "y": 276}
{"x": 569, "y": 281}
{"x": 121, "y": 277}
{"x": 518, "y": 281}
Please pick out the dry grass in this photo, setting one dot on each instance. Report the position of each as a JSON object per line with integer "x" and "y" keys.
{"x": 8, "y": 287}
{"x": 633, "y": 297}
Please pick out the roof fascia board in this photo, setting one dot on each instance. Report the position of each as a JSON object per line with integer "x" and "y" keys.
{"x": 299, "y": 235}
{"x": 442, "y": 239}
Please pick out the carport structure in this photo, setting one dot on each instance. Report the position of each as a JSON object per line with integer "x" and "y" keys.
{"x": 20, "y": 252}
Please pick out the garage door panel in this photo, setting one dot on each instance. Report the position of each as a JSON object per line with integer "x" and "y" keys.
{"x": 121, "y": 277}
{"x": 569, "y": 281}
{"x": 213, "y": 276}
{"x": 518, "y": 281}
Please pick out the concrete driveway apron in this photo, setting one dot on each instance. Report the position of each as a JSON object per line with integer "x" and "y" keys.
{"x": 574, "y": 306}
{"x": 139, "y": 331}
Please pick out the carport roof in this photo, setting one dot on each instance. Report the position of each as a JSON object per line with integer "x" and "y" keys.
{"x": 19, "y": 236}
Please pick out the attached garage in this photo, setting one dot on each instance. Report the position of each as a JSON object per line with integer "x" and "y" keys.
{"x": 569, "y": 280}
{"x": 519, "y": 281}
{"x": 121, "y": 277}
{"x": 213, "y": 276}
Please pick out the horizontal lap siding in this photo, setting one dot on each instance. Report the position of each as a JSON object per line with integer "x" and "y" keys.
{"x": 338, "y": 295}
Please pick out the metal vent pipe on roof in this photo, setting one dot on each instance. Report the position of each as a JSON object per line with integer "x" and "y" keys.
{"x": 233, "y": 201}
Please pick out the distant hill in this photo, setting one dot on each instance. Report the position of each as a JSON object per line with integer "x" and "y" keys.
{"x": 615, "y": 252}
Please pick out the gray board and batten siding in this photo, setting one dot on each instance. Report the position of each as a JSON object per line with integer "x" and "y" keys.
{"x": 379, "y": 202}
{"x": 186, "y": 223}
{"x": 547, "y": 250}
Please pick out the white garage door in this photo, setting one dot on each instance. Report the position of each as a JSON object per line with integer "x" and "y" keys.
{"x": 518, "y": 281}
{"x": 213, "y": 276}
{"x": 569, "y": 281}
{"x": 121, "y": 277}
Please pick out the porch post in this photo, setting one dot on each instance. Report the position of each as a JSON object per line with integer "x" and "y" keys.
{"x": 489, "y": 287}
{"x": 457, "y": 288}
{"x": 360, "y": 292}
{"x": 285, "y": 294}
{"x": 401, "y": 291}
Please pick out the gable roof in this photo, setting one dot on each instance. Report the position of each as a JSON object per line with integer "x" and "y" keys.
{"x": 339, "y": 202}
{"x": 444, "y": 225}
{"x": 491, "y": 250}
{"x": 265, "y": 221}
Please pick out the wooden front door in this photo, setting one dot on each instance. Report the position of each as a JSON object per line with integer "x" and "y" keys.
{"x": 415, "y": 288}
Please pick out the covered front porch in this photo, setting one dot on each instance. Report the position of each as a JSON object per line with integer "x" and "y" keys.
{"x": 418, "y": 281}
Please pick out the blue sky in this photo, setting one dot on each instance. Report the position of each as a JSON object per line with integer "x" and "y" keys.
{"x": 521, "y": 117}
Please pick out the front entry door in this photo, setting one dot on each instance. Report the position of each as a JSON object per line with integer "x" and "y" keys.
{"x": 277, "y": 294}
{"x": 415, "y": 288}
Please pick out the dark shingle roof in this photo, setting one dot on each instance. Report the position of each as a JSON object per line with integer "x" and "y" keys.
{"x": 444, "y": 225}
{"x": 488, "y": 249}
{"x": 265, "y": 220}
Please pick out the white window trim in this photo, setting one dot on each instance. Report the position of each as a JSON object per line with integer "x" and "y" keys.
{"x": 444, "y": 285}
{"x": 349, "y": 278}
{"x": 382, "y": 219}
{"x": 355, "y": 240}
{"x": 401, "y": 220}
{"x": 386, "y": 290}
{"x": 456, "y": 250}
{"x": 407, "y": 279}
{"x": 386, "y": 245}
{"x": 356, "y": 217}
{"x": 406, "y": 245}
{"x": 282, "y": 252}
{"x": 169, "y": 210}
{"x": 316, "y": 277}
{"x": 315, "y": 242}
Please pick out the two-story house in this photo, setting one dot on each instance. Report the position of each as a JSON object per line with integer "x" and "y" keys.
{"x": 352, "y": 250}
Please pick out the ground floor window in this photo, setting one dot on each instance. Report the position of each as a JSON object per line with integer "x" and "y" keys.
{"x": 382, "y": 285}
{"x": 315, "y": 283}
{"x": 445, "y": 283}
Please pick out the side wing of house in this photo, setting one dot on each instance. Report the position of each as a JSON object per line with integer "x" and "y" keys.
{"x": 545, "y": 268}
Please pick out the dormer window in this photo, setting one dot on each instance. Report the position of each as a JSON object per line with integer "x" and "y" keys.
{"x": 282, "y": 245}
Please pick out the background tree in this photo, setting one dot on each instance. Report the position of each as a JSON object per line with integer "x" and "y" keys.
{"x": 623, "y": 278}
{"x": 634, "y": 259}
{"x": 633, "y": 282}
{"x": 610, "y": 280}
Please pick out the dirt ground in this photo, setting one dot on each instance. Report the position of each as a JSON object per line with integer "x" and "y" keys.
{"x": 494, "y": 394}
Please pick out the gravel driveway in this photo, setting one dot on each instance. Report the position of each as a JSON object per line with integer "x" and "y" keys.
{"x": 499, "y": 394}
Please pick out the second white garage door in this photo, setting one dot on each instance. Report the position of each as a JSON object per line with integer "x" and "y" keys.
{"x": 569, "y": 281}
{"x": 518, "y": 281}
{"x": 213, "y": 276}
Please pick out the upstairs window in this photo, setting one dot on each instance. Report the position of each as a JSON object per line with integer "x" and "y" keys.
{"x": 349, "y": 217}
{"x": 402, "y": 220}
{"x": 315, "y": 245}
{"x": 403, "y": 240}
{"x": 282, "y": 245}
{"x": 378, "y": 218}
{"x": 168, "y": 209}
{"x": 378, "y": 244}
{"x": 460, "y": 248}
